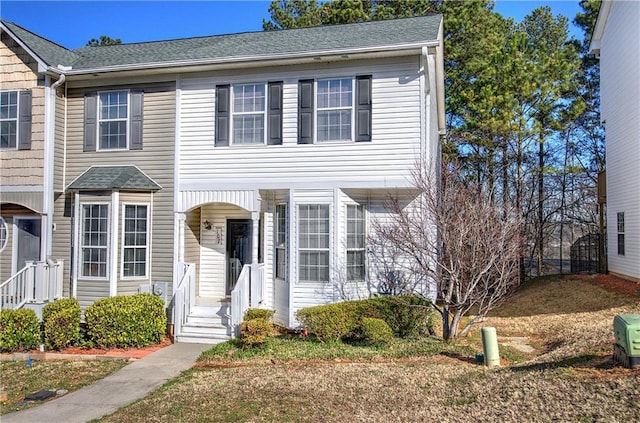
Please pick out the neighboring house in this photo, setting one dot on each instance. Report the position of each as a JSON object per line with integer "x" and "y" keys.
{"x": 244, "y": 169}
{"x": 616, "y": 39}
{"x": 27, "y": 85}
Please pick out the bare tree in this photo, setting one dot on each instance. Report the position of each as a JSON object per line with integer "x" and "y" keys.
{"x": 460, "y": 241}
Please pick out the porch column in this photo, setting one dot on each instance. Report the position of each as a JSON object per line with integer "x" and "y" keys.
{"x": 255, "y": 216}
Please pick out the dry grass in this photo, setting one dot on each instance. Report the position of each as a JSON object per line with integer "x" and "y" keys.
{"x": 571, "y": 378}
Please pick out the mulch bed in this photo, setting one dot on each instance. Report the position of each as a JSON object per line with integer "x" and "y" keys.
{"x": 612, "y": 283}
{"x": 118, "y": 352}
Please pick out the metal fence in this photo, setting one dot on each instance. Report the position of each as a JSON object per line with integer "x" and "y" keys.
{"x": 585, "y": 255}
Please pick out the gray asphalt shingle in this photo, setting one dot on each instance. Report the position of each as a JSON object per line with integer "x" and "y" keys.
{"x": 367, "y": 35}
{"x": 125, "y": 178}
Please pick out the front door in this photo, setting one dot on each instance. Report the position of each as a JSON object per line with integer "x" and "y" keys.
{"x": 238, "y": 249}
{"x": 28, "y": 241}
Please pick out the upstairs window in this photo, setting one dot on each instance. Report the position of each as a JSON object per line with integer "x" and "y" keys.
{"x": 334, "y": 102}
{"x": 620, "y": 222}
{"x": 113, "y": 118}
{"x": 9, "y": 119}
{"x": 248, "y": 114}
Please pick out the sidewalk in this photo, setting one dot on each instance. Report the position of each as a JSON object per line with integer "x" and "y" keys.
{"x": 121, "y": 388}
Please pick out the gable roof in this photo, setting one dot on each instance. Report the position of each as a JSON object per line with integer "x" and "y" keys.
{"x": 308, "y": 42}
{"x": 124, "y": 178}
{"x": 45, "y": 51}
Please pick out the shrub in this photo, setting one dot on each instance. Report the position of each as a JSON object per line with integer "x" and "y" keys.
{"x": 19, "y": 330}
{"x": 126, "y": 321}
{"x": 408, "y": 315}
{"x": 376, "y": 331}
{"x": 254, "y": 332}
{"x": 259, "y": 313}
{"x": 61, "y": 321}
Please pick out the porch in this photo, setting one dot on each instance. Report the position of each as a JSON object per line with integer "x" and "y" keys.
{"x": 36, "y": 284}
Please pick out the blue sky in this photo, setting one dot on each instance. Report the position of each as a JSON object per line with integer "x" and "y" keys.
{"x": 73, "y": 23}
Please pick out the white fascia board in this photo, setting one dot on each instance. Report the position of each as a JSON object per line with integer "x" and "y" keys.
{"x": 285, "y": 58}
{"x": 598, "y": 30}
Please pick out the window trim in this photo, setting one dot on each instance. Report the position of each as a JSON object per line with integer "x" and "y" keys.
{"x": 233, "y": 114}
{"x": 620, "y": 233}
{"x": 364, "y": 241}
{"x": 328, "y": 250}
{"x": 16, "y": 120}
{"x": 147, "y": 245}
{"x": 81, "y": 245}
{"x": 4, "y": 227}
{"x": 277, "y": 246}
{"x": 100, "y": 120}
{"x": 352, "y": 108}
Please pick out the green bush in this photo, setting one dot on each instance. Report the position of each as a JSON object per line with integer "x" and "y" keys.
{"x": 259, "y": 313}
{"x": 126, "y": 321}
{"x": 254, "y": 332}
{"x": 376, "y": 331}
{"x": 405, "y": 315}
{"x": 19, "y": 330}
{"x": 61, "y": 321}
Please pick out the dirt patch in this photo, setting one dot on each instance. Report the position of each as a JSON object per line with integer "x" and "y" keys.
{"x": 617, "y": 285}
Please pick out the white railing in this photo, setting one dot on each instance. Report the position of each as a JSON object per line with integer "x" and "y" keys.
{"x": 37, "y": 282}
{"x": 248, "y": 292}
{"x": 184, "y": 296}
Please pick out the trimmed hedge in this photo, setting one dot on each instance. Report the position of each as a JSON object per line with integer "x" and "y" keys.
{"x": 19, "y": 330}
{"x": 406, "y": 315}
{"x": 376, "y": 331}
{"x": 126, "y": 321}
{"x": 61, "y": 320}
{"x": 255, "y": 332}
{"x": 258, "y": 313}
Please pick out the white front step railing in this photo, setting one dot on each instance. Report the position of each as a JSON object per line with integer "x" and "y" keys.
{"x": 184, "y": 296}
{"x": 37, "y": 282}
{"x": 248, "y": 292}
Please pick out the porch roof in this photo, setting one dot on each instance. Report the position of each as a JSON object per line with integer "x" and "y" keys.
{"x": 123, "y": 178}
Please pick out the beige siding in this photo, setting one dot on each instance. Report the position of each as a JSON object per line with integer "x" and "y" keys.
{"x": 62, "y": 239}
{"x": 59, "y": 182}
{"x": 155, "y": 160}
{"x": 385, "y": 161}
{"x": 18, "y": 71}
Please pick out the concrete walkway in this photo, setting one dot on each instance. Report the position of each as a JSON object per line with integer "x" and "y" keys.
{"x": 121, "y": 388}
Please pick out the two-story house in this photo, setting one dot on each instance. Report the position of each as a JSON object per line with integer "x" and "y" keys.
{"x": 243, "y": 169}
{"x": 616, "y": 39}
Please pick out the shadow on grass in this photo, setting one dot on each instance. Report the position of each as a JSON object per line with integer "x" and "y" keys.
{"x": 584, "y": 361}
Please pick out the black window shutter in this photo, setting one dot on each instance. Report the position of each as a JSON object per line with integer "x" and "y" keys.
{"x": 24, "y": 120}
{"x": 90, "y": 124}
{"x": 223, "y": 114}
{"x": 136, "y": 100}
{"x": 274, "y": 114}
{"x": 305, "y": 111}
{"x": 363, "y": 108}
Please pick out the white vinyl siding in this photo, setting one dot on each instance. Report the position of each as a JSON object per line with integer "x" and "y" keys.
{"x": 313, "y": 242}
{"x": 94, "y": 255}
{"x": 334, "y": 109}
{"x": 248, "y": 114}
{"x": 385, "y": 161}
{"x": 9, "y": 119}
{"x": 135, "y": 240}
{"x": 113, "y": 120}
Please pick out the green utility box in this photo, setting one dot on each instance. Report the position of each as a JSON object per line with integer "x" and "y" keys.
{"x": 626, "y": 350}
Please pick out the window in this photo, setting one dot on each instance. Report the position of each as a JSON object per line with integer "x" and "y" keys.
{"x": 334, "y": 103}
{"x": 248, "y": 114}
{"x": 313, "y": 245}
{"x": 9, "y": 119}
{"x": 113, "y": 119}
{"x": 93, "y": 260}
{"x": 4, "y": 233}
{"x": 281, "y": 241}
{"x": 135, "y": 241}
{"x": 355, "y": 242}
{"x": 621, "y": 233}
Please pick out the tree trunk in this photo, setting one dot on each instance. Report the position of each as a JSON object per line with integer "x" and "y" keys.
{"x": 540, "y": 202}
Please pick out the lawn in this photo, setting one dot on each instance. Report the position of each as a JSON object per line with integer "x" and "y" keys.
{"x": 567, "y": 376}
{"x": 18, "y": 379}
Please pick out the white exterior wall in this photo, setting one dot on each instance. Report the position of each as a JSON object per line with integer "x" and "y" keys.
{"x": 620, "y": 110}
{"x": 383, "y": 162}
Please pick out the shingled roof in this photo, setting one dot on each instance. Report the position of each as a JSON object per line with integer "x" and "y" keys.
{"x": 270, "y": 44}
{"x": 123, "y": 178}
